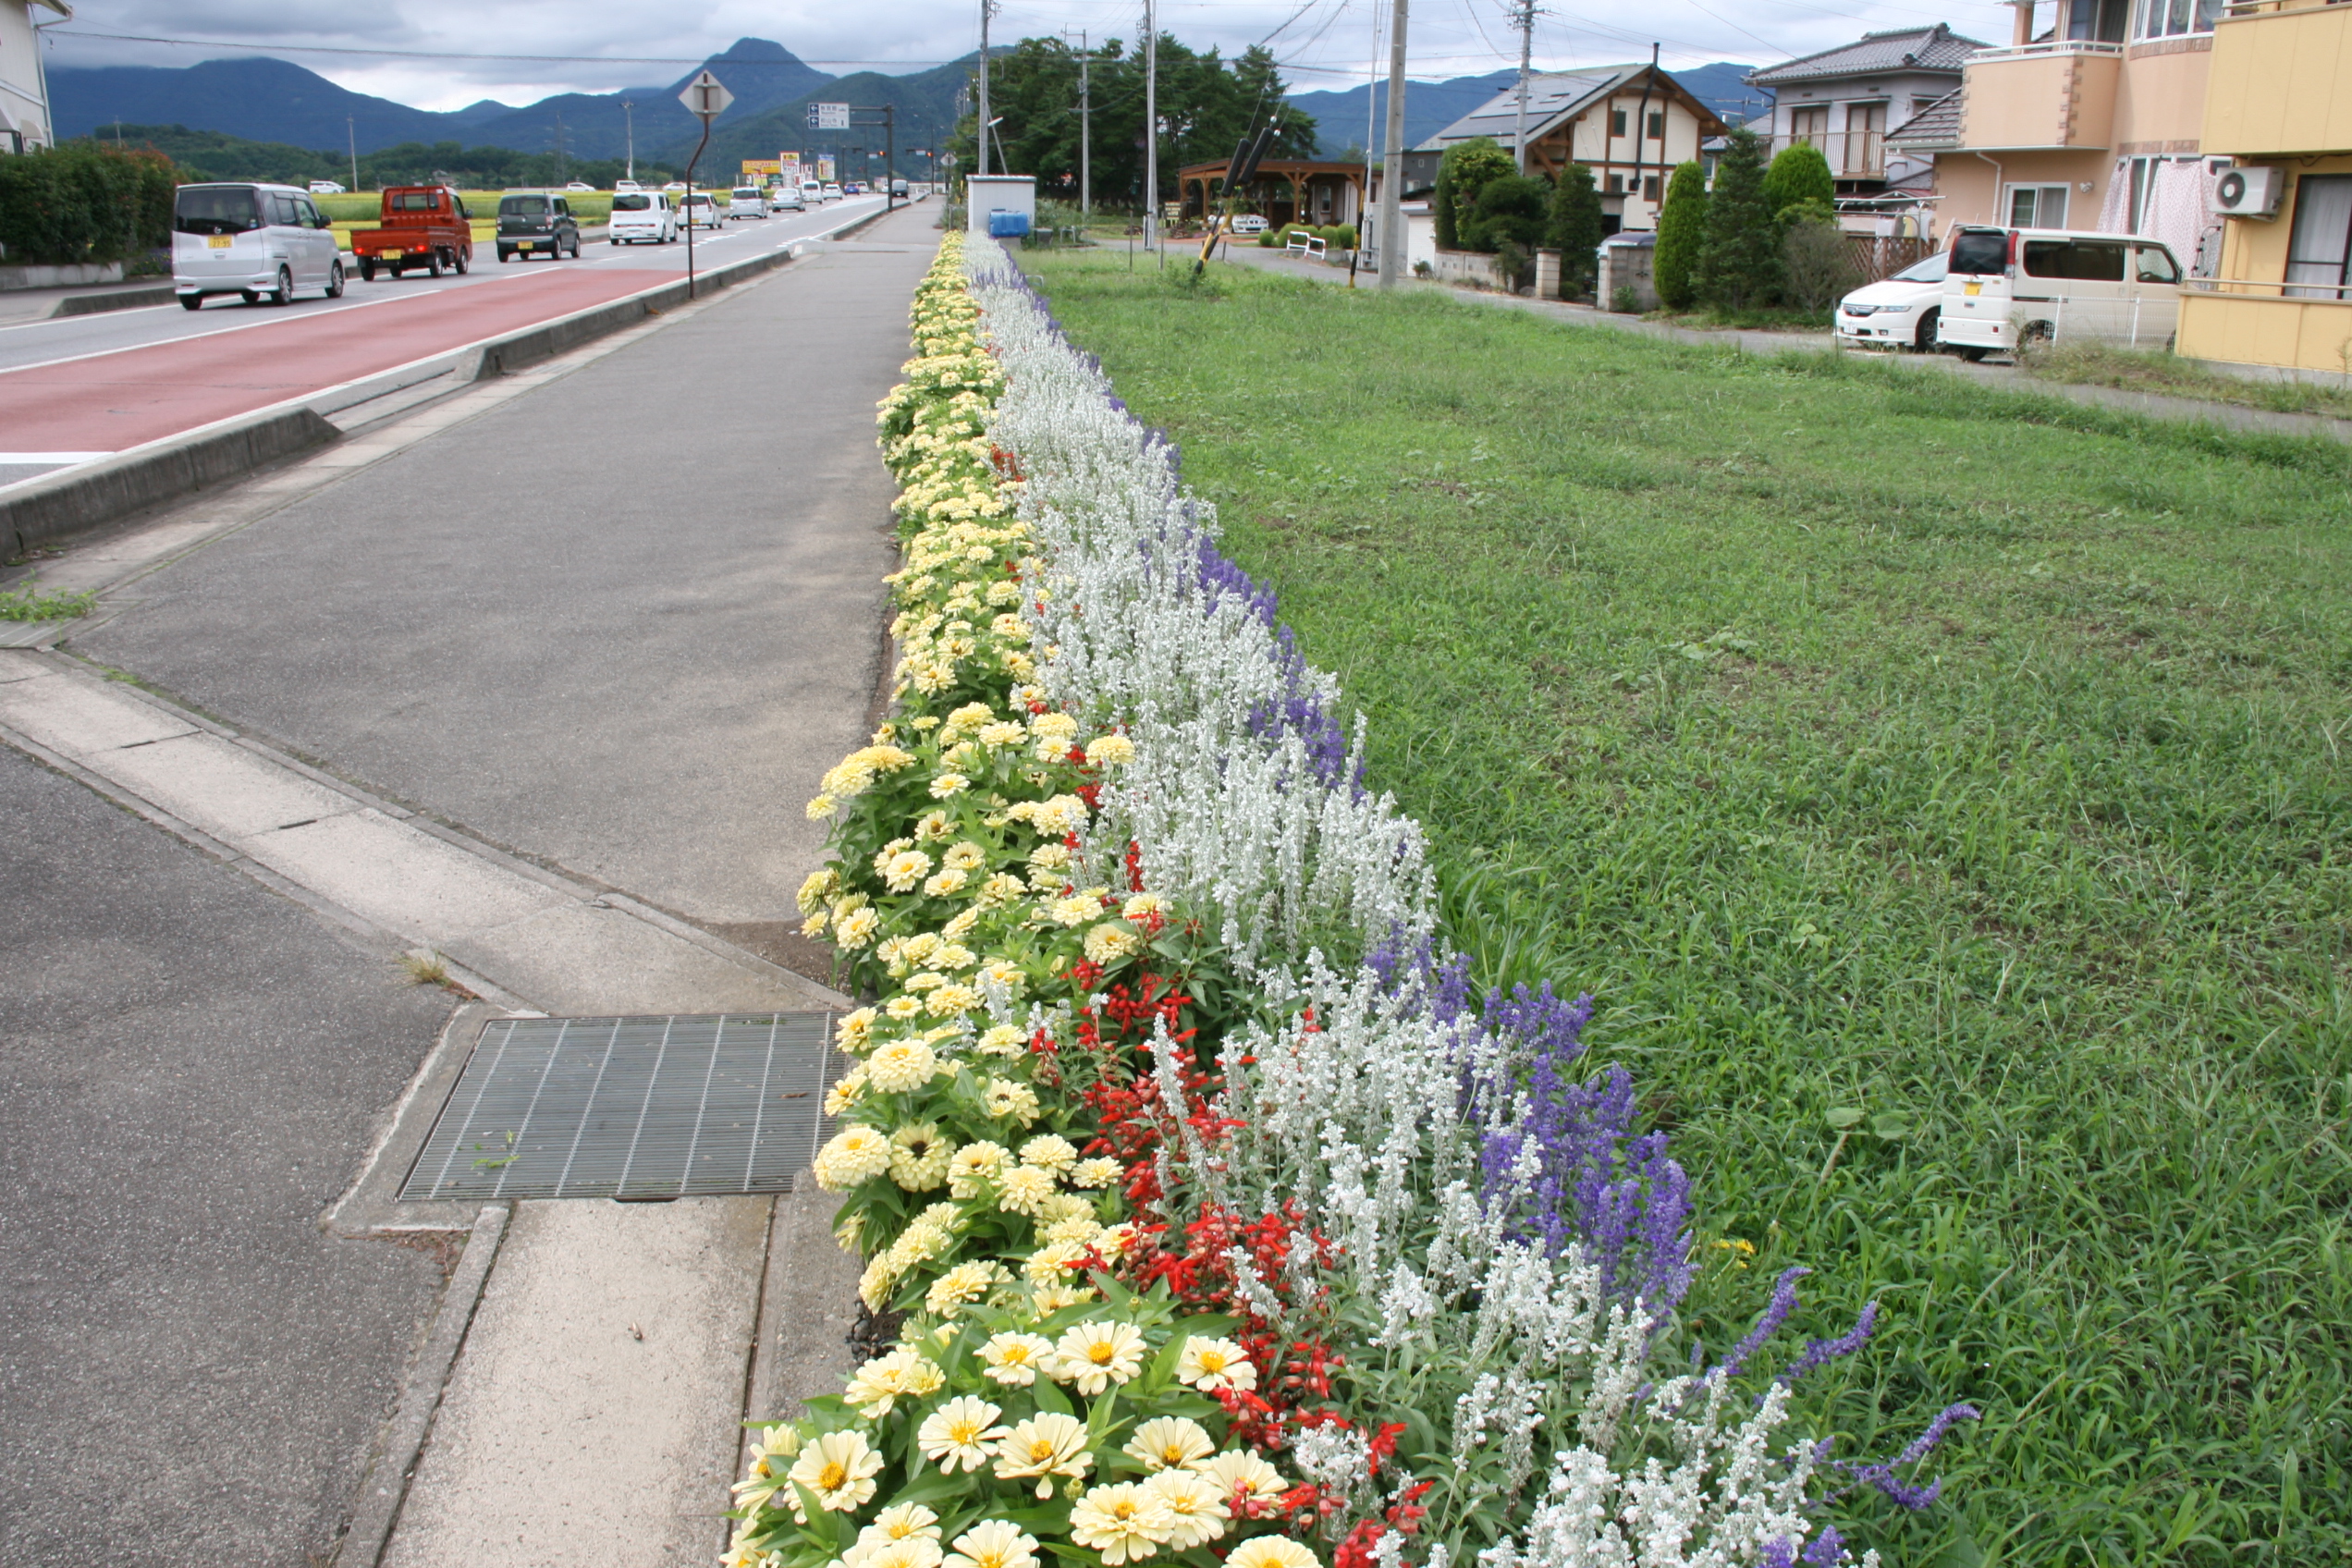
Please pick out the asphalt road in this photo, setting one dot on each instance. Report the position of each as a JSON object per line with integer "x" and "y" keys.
{"x": 190, "y": 1068}
{"x": 79, "y": 387}
{"x": 621, "y": 624}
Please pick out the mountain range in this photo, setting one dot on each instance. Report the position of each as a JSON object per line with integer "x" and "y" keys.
{"x": 270, "y": 100}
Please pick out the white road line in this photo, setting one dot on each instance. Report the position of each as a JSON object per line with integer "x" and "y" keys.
{"x": 83, "y": 320}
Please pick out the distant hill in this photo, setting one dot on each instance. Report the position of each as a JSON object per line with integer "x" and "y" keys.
{"x": 1430, "y": 106}
{"x": 925, "y": 104}
{"x": 260, "y": 99}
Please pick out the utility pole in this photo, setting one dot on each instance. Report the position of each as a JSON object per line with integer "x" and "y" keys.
{"x": 1392, "y": 166}
{"x": 352, "y": 131}
{"x": 1522, "y": 17}
{"x": 1151, "y": 128}
{"x": 1085, "y": 121}
{"x": 628, "y": 119}
{"x": 987, "y": 9}
{"x": 559, "y": 148}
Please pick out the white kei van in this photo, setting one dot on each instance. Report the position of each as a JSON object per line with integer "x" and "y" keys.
{"x": 2005, "y": 287}
{"x": 256, "y": 241}
{"x": 642, "y": 214}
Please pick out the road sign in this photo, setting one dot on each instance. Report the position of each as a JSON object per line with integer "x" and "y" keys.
{"x": 707, "y": 96}
{"x": 828, "y": 116}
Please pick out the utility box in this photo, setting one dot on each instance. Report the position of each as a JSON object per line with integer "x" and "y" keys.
{"x": 989, "y": 195}
{"x": 1628, "y": 260}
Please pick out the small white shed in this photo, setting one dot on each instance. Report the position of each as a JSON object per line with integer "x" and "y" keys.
{"x": 987, "y": 193}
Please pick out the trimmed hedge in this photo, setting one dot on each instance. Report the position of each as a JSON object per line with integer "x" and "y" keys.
{"x": 84, "y": 203}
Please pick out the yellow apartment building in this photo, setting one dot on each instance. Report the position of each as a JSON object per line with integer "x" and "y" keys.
{"x": 2279, "y": 103}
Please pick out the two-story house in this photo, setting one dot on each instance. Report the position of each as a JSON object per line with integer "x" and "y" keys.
{"x": 1629, "y": 124}
{"x": 24, "y": 85}
{"x": 2279, "y": 105}
{"x": 2092, "y": 123}
{"x": 1843, "y": 101}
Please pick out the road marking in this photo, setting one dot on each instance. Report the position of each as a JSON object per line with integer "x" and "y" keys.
{"x": 83, "y": 320}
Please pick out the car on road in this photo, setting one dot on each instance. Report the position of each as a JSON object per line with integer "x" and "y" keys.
{"x": 2012, "y": 288}
{"x": 536, "y": 223}
{"x": 1248, "y": 223}
{"x": 832, "y": 191}
{"x": 621, "y": 185}
{"x": 812, "y": 192}
{"x": 745, "y": 202}
{"x": 419, "y": 225}
{"x": 325, "y": 187}
{"x": 579, "y": 185}
{"x": 675, "y": 186}
{"x": 898, "y": 188}
{"x": 787, "y": 199}
{"x": 639, "y": 215}
{"x": 696, "y": 209}
{"x": 255, "y": 241}
{"x": 1900, "y": 312}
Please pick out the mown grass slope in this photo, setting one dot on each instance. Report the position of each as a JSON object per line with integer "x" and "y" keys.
{"x": 1870, "y": 742}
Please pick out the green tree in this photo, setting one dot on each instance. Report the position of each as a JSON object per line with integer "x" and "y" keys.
{"x": 1800, "y": 174}
{"x": 1461, "y": 173}
{"x": 1574, "y": 228}
{"x": 1682, "y": 229}
{"x": 1509, "y": 208}
{"x": 1206, "y": 104}
{"x": 84, "y": 202}
{"x": 1739, "y": 263}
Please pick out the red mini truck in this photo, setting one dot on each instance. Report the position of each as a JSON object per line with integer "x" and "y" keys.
{"x": 422, "y": 226}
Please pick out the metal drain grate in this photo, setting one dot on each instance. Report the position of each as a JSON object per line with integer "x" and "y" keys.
{"x": 631, "y": 1107}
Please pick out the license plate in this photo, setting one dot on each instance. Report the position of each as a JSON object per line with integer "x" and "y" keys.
{"x": 219, "y": 242}
{"x": 1973, "y": 289}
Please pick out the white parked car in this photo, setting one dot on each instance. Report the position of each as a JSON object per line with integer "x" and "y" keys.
{"x": 832, "y": 191}
{"x": 325, "y": 187}
{"x": 787, "y": 199}
{"x": 746, "y": 202}
{"x": 620, "y": 185}
{"x": 1896, "y": 312}
{"x": 639, "y": 215}
{"x": 579, "y": 185}
{"x": 696, "y": 209}
{"x": 2008, "y": 288}
{"x": 674, "y": 187}
{"x": 258, "y": 241}
{"x": 1249, "y": 222}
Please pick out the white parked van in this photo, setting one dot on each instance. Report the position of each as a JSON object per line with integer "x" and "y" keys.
{"x": 640, "y": 215}
{"x": 2005, "y": 287}
{"x": 257, "y": 242}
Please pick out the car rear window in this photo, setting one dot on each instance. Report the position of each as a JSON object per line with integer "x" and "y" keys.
{"x": 416, "y": 202}
{"x": 628, "y": 203}
{"x": 523, "y": 207}
{"x": 746, "y": 194}
{"x": 1982, "y": 250}
{"x": 2080, "y": 261}
{"x": 215, "y": 209}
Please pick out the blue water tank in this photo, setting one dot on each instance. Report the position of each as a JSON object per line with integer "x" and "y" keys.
{"x": 1007, "y": 226}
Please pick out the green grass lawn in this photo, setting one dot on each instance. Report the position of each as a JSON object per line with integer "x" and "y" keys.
{"x": 1871, "y": 742}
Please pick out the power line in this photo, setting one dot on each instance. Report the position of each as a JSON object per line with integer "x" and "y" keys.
{"x": 446, "y": 55}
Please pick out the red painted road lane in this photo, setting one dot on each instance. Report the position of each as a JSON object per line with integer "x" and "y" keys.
{"x": 116, "y": 400}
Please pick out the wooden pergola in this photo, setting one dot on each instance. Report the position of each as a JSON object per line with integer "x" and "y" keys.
{"x": 1286, "y": 189}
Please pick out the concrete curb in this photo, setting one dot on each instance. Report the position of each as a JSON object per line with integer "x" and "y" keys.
{"x": 84, "y": 497}
{"x": 387, "y": 1486}
{"x": 43, "y": 510}
{"x": 123, "y": 299}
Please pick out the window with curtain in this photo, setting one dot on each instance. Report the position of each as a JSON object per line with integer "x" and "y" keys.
{"x": 2174, "y": 19}
{"x": 2319, "y": 252}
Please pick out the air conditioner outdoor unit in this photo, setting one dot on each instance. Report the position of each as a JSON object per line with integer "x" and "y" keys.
{"x": 2249, "y": 192}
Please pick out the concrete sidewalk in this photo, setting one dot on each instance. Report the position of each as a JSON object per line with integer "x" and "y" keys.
{"x": 541, "y": 684}
{"x": 2229, "y": 416}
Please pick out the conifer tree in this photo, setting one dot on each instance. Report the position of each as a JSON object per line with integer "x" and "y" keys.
{"x": 1682, "y": 229}
{"x": 1574, "y": 228}
{"x": 1739, "y": 265}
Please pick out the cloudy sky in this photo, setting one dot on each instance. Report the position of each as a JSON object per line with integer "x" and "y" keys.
{"x": 417, "y": 51}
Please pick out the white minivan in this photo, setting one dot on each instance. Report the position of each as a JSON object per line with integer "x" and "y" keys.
{"x": 642, "y": 214}
{"x": 746, "y": 202}
{"x": 2004, "y": 288}
{"x": 256, "y": 241}
{"x": 812, "y": 192}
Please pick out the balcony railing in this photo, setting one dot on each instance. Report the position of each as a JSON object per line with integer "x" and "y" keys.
{"x": 1853, "y": 154}
{"x": 2251, "y": 288}
{"x": 2037, "y": 51}
{"x": 2271, "y": 8}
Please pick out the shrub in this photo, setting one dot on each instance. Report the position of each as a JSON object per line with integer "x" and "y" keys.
{"x": 1574, "y": 228}
{"x": 1509, "y": 208}
{"x": 1816, "y": 261}
{"x": 1798, "y": 175}
{"x": 84, "y": 203}
{"x": 1682, "y": 229}
{"x": 1461, "y": 173}
{"x": 1623, "y": 300}
{"x": 1739, "y": 264}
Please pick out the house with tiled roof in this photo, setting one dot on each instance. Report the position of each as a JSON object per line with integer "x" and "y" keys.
{"x": 1844, "y": 100}
{"x": 1629, "y": 124}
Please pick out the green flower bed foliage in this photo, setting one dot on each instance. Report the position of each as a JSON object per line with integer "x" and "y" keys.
{"x": 2013, "y": 805}
{"x": 1682, "y": 228}
{"x": 1461, "y": 173}
{"x": 84, "y": 203}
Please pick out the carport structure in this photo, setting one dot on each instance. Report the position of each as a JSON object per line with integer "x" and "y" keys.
{"x": 1286, "y": 190}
